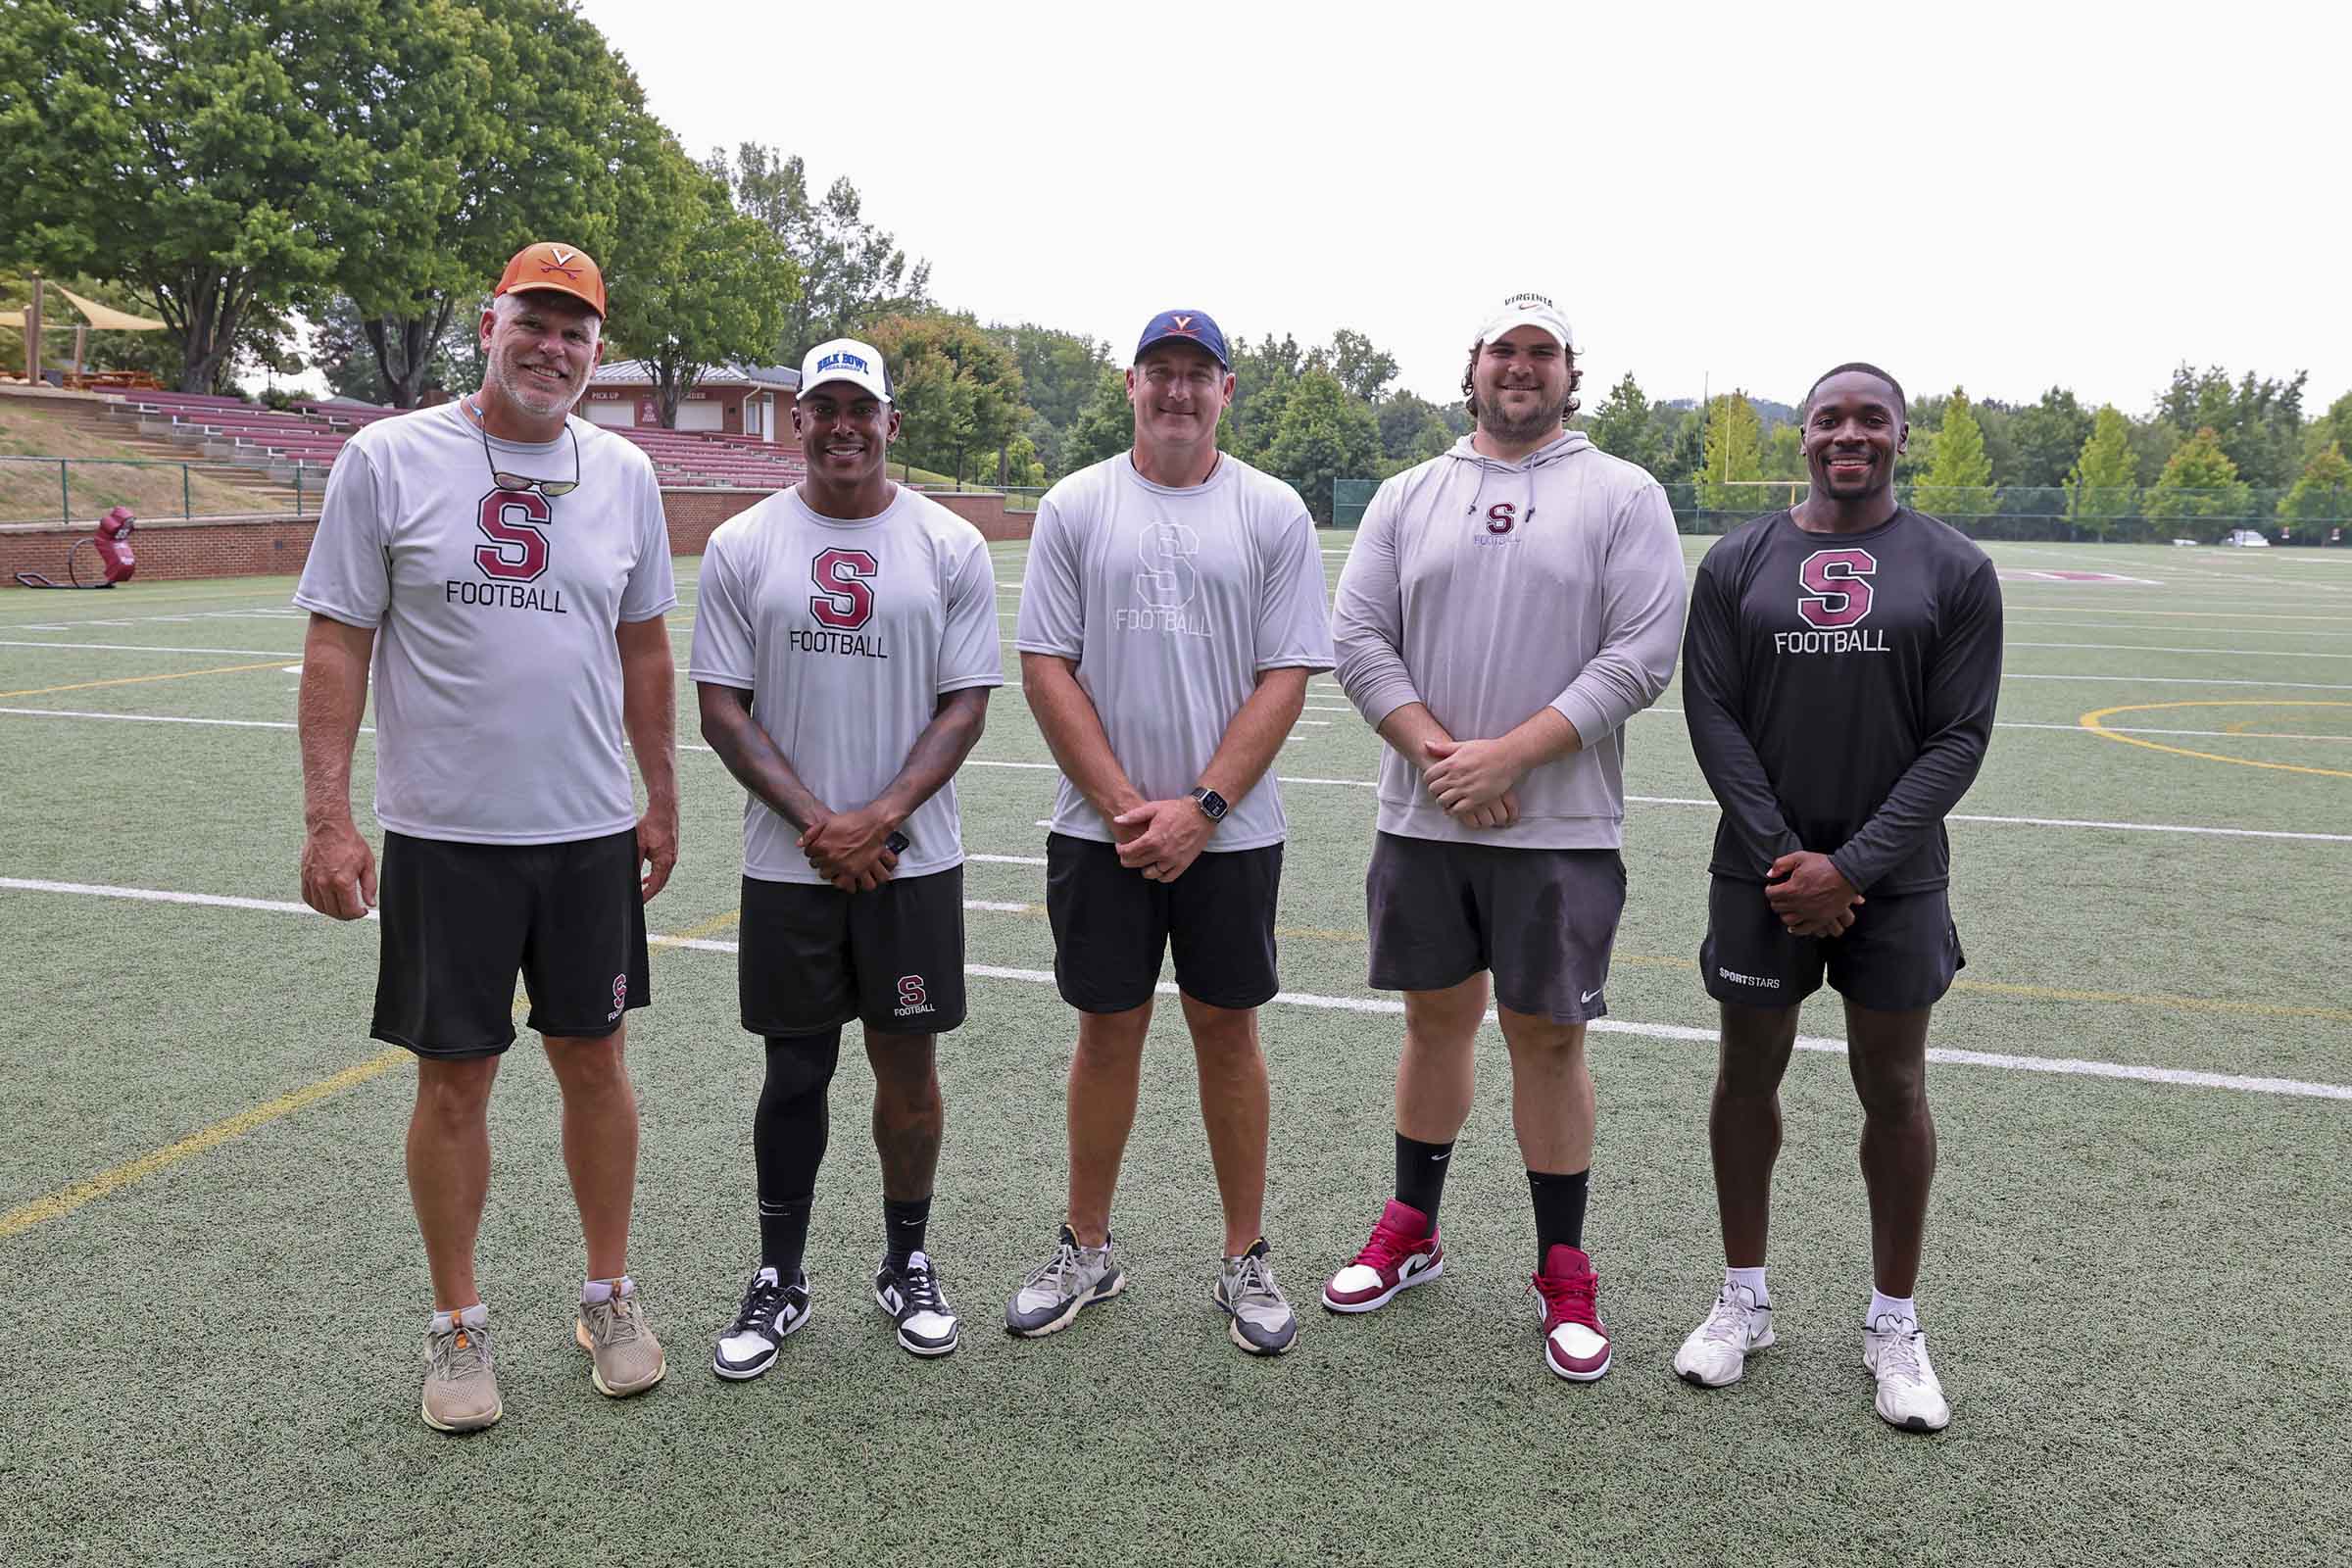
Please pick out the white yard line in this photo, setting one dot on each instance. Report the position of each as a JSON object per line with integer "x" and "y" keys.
{"x": 2182, "y": 1077}
{"x": 1335, "y": 783}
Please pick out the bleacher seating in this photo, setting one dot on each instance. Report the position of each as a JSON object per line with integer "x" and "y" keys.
{"x": 312, "y": 432}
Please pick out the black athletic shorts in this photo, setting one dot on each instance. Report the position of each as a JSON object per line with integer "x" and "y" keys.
{"x": 812, "y": 957}
{"x": 1112, "y": 925}
{"x": 1901, "y": 952}
{"x": 458, "y": 920}
{"x": 1544, "y": 921}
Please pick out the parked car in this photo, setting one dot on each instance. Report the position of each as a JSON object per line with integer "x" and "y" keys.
{"x": 2248, "y": 537}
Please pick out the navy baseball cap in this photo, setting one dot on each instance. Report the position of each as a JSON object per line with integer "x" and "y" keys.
{"x": 1190, "y": 327}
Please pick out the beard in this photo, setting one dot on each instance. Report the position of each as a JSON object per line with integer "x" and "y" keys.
{"x": 536, "y": 397}
{"x": 1543, "y": 417}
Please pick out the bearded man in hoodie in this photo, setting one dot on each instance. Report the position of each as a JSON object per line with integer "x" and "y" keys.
{"x": 1505, "y": 609}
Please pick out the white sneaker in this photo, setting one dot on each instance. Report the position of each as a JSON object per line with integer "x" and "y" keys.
{"x": 1715, "y": 1355}
{"x": 1895, "y": 1349}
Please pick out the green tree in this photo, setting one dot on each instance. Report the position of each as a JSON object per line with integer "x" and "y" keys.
{"x": 853, "y": 272}
{"x": 496, "y": 122}
{"x": 2256, "y": 421}
{"x": 1325, "y": 433}
{"x": 1413, "y": 430}
{"x": 2324, "y": 493}
{"x": 2200, "y": 484}
{"x": 693, "y": 284}
{"x": 959, "y": 390}
{"x": 1059, "y": 372}
{"x": 1732, "y": 456}
{"x": 2045, "y": 439}
{"x": 2333, "y": 428}
{"x": 1105, "y": 426}
{"x": 1624, "y": 427}
{"x": 185, "y": 151}
{"x": 1263, "y": 374}
{"x": 1364, "y": 371}
{"x": 2102, "y": 484}
{"x": 340, "y": 349}
{"x": 1959, "y": 477}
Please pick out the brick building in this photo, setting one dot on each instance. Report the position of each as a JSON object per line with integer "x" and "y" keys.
{"x": 754, "y": 401}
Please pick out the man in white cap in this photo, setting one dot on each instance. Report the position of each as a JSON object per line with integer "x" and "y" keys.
{"x": 506, "y": 569}
{"x": 843, "y": 649}
{"x": 1505, "y": 609}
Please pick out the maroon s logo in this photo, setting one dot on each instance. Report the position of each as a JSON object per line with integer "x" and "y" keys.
{"x": 1839, "y": 587}
{"x": 1501, "y": 516}
{"x": 910, "y": 991}
{"x": 845, "y": 602}
{"x": 518, "y": 550}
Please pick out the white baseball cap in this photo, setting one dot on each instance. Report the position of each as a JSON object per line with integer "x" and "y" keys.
{"x": 845, "y": 359}
{"x": 1529, "y": 310}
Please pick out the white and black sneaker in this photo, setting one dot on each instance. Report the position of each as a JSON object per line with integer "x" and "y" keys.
{"x": 910, "y": 1292}
{"x": 771, "y": 1310}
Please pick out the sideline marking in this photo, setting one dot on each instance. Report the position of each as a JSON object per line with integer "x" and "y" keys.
{"x": 157, "y": 647}
{"x": 66, "y": 1199}
{"x": 141, "y": 680}
{"x": 2183, "y": 1076}
{"x": 2093, "y": 721}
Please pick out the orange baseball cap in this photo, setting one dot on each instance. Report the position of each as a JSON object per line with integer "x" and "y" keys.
{"x": 559, "y": 268}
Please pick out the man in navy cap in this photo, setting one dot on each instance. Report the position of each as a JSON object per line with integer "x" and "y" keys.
{"x": 1172, "y": 613}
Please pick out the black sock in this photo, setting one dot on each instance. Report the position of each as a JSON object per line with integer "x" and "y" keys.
{"x": 1560, "y": 1210}
{"x": 903, "y": 1224}
{"x": 1421, "y": 1175}
{"x": 788, "y": 1143}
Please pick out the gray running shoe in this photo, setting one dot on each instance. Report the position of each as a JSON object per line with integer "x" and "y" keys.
{"x": 1257, "y": 1316}
{"x": 1073, "y": 1277}
{"x": 461, "y": 1388}
{"x": 627, "y": 1357}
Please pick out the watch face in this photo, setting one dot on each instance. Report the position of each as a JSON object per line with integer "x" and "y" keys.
{"x": 1213, "y": 805}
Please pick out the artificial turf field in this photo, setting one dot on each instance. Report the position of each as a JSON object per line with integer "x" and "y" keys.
{"x": 2137, "y": 1274}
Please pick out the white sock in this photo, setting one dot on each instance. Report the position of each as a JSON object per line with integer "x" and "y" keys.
{"x": 474, "y": 1317}
{"x": 598, "y": 1290}
{"x": 1752, "y": 1279}
{"x": 1884, "y": 1305}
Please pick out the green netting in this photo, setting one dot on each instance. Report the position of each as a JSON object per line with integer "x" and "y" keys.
{"x": 1348, "y": 498}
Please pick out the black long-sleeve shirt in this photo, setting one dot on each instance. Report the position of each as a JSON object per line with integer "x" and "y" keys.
{"x": 1840, "y": 689}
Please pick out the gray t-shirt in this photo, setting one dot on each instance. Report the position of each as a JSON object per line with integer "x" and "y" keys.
{"x": 1171, "y": 603}
{"x": 847, "y": 634}
{"x": 497, "y": 677}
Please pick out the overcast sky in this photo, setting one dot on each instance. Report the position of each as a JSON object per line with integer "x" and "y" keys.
{"x": 1995, "y": 195}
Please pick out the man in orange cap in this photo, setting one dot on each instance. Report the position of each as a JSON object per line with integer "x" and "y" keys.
{"x": 506, "y": 569}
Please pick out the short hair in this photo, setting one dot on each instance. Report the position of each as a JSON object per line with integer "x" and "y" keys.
{"x": 1902, "y": 409}
{"x": 1576, "y": 377}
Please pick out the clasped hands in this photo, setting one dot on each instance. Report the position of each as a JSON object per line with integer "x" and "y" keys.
{"x": 852, "y": 849}
{"x": 1475, "y": 781}
{"x": 1810, "y": 895}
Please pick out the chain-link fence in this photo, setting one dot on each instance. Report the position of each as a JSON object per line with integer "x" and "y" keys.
{"x": 2123, "y": 515}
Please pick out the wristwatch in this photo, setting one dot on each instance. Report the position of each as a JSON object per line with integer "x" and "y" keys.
{"x": 1213, "y": 805}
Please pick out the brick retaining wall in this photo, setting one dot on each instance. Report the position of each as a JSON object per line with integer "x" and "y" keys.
{"x": 171, "y": 549}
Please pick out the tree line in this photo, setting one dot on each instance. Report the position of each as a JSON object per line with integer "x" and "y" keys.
{"x": 237, "y": 167}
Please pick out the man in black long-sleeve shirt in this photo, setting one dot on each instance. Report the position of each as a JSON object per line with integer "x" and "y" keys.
{"x": 1839, "y": 669}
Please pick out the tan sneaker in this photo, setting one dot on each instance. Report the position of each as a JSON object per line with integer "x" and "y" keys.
{"x": 461, "y": 1388}
{"x": 628, "y": 1358}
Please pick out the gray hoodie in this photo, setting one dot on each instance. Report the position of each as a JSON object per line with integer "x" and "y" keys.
{"x": 1488, "y": 590}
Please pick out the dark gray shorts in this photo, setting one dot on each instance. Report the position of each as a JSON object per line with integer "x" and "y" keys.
{"x": 1542, "y": 920}
{"x": 1901, "y": 952}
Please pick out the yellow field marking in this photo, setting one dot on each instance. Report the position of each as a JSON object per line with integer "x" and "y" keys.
{"x": 2095, "y": 722}
{"x": 140, "y": 680}
{"x": 67, "y": 1199}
